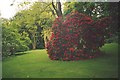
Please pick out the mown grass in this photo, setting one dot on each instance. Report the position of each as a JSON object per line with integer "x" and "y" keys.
{"x": 36, "y": 64}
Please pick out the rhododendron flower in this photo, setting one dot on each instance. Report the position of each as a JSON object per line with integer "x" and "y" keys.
{"x": 77, "y": 37}
{"x": 71, "y": 49}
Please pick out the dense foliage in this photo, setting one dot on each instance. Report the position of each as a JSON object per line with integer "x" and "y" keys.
{"x": 77, "y": 37}
{"x": 12, "y": 41}
{"x": 96, "y": 10}
{"x": 27, "y": 29}
{"x": 33, "y": 21}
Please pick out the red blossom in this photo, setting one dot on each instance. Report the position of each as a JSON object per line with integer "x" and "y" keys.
{"x": 78, "y": 37}
{"x": 72, "y": 49}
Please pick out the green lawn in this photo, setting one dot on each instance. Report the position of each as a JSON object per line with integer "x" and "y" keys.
{"x": 36, "y": 64}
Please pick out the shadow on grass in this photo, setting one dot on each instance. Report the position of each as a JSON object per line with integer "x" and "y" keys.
{"x": 20, "y": 53}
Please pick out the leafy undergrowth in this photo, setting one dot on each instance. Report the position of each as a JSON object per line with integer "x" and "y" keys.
{"x": 36, "y": 64}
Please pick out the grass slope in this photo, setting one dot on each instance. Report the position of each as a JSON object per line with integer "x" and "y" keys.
{"x": 36, "y": 64}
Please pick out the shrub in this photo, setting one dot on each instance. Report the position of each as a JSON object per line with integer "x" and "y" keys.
{"x": 77, "y": 37}
{"x": 12, "y": 42}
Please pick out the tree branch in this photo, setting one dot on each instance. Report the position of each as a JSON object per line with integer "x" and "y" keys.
{"x": 55, "y": 8}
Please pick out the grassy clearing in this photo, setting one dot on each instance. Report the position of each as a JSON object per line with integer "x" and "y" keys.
{"x": 36, "y": 64}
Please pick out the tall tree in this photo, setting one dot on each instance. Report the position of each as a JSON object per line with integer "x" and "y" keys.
{"x": 33, "y": 20}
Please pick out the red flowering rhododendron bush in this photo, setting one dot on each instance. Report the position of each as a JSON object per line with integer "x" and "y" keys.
{"x": 77, "y": 37}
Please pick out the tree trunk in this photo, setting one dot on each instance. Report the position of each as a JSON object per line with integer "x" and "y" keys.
{"x": 34, "y": 46}
{"x": 57, "y": 8}
{"x": 34, "y": 42}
